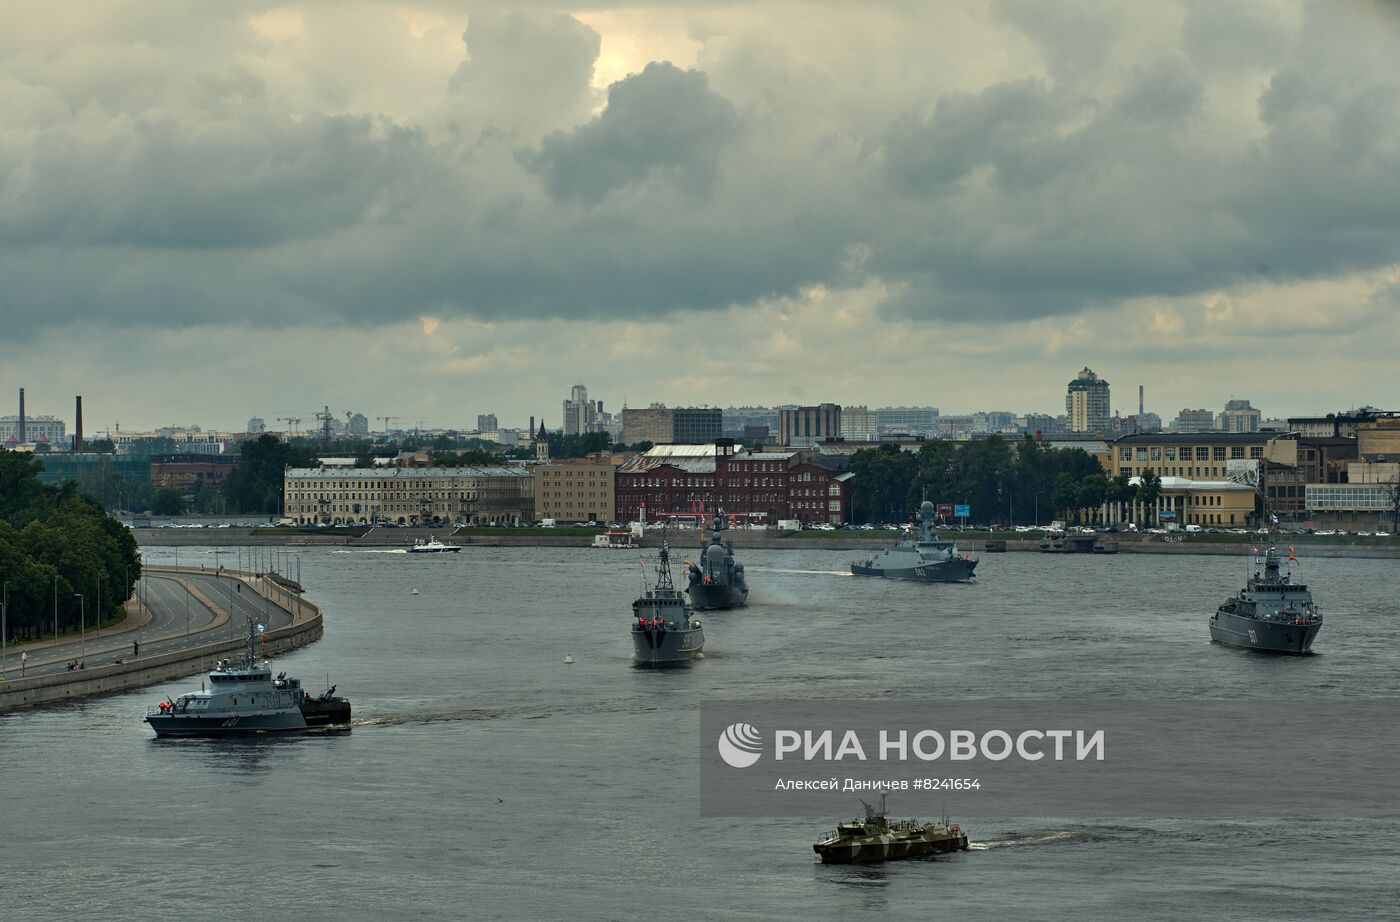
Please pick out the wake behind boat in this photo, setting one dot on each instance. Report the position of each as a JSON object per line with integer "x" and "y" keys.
{"x": 925, "y": 556}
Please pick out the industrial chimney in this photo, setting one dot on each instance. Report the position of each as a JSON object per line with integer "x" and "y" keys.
{"x": 532, "y": 427}
{"x": 1140, "y": 400}
{"x": 78, "y": 425}
{"x": 22, "y": 435}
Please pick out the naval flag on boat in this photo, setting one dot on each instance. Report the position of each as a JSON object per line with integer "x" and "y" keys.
{"x": 262, "y": 629}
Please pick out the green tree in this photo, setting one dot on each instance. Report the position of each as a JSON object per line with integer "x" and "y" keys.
{"x": 1121, "y": 491}
{"x": 883, "y": 479}
{"x": 469, "y": 457}
{"x": 167, "y": 501}
{"x": 255, "y": 486}
{"x": 1149, "y": 488}
{"x": 205, "y": 499}
{"x": 1065, "y": 494}
{"x": 54, "y": 540}
{"x": 1091, "y": 492}
{"x": 578, "y": 446}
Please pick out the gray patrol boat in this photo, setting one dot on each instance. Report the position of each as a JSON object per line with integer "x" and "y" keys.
{"x": 925, "y": 556}
{"x": 717, "y": 581}
{"x": 243, "y": 698}
{"x": 664, "y": 631}
{"x": 1271, "y": 613}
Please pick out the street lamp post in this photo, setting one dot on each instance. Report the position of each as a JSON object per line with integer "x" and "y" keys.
{"x": 82, "y": 621}
{"x": 4, "y": 623}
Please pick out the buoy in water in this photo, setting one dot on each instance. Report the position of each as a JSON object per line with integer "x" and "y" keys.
{"x": 568, "y": 659}
{"x": 414, "y": 592}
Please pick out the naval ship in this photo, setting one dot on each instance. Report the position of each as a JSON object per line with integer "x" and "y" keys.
{"x": 877, "y": 838}
{"x": 1271, "y": 613}
{"x": 664, "y": 633}
{"x": 243, "y": 698}
{"x": 925, "y": 556}
{"x": 717, "y": 581}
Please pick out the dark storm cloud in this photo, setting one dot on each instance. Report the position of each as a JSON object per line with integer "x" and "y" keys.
{"x": 662, "y": 122}
{"x": 259, "y": 179}
{"x": 1125, "y": 157}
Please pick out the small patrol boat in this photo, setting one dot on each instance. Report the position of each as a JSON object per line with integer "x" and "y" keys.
{"x": 433, "y": 546}
{"x": 717, "y": 581}
{"x": 615, "y": 540}
{"x": 244, "y": 698}
{"x": 925, "y": 556}
{"x": 1271, "y": 613}
{"x": 877, "y": 838}
{"x": 664, "y": 629}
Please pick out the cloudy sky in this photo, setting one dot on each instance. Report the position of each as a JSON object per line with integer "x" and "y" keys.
{"x": 430, "y": 209}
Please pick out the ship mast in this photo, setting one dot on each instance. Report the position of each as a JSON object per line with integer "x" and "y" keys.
{"x": 663, "y": 567}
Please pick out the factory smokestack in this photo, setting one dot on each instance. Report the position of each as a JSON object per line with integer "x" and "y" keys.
{"x": 21, "y": 434}
{"x": 78, "y": 425}
{"x": 532, "y": 427}
{"x": 1140, "y": 400}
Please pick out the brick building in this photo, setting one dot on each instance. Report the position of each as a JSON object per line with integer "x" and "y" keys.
{"x": 758, "y": 487}
{"x": 186, "y": 474}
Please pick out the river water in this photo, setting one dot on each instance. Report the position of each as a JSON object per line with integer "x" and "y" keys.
{"x": 486, "y": 779}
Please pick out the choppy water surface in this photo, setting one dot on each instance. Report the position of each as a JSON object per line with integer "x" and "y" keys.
{"x": 486, "y": 779}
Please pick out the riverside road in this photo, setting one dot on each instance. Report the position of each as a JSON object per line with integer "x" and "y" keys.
{"x": 179, "y": 620}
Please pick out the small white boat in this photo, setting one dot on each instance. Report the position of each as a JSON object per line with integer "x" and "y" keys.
{"x": 432, "y": 546}
{"x": 615, "y": 539}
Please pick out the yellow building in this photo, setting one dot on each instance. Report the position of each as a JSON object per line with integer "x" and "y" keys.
{"x": 408, "y": 495}
{"x": 1217, "y": 503}
{"x": 1188, "y": 455}
{"x": 1379, "y": 437}
{"x": 577, "y": 489}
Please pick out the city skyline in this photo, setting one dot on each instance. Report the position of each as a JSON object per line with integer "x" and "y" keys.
{"x": 885, "y": 204}
{"x": 306, "y": 422}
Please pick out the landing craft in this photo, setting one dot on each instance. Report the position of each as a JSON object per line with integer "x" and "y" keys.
{"x": 876, "y": 838}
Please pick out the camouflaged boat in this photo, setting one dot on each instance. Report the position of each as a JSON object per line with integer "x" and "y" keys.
{"x": 877, "y": 838}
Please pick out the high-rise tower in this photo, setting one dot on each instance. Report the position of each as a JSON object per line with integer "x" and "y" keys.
{"x": 1086, "y": 403}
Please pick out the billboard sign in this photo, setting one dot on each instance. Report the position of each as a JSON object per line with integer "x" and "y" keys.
{"x": 962, "y": 511}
